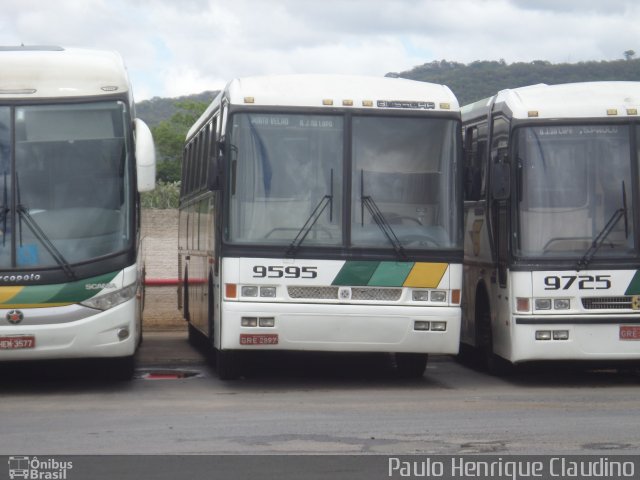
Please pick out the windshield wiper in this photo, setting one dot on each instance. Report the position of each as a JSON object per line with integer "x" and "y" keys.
{"x": 23, "y": 214}
{"x": 606, "y": 230}
{"x": 40, "y": 235}
{"x": 325, "y": 201}
{"x": 381, "y": 222}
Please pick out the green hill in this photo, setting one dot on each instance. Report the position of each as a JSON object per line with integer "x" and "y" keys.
{"x": 469, "y": 82}
{"x": 159, "y": 109}
{"x": 484, "y": 78}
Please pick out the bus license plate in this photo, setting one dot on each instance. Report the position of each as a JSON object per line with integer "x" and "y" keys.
{"x": 16, "y": 342}
{"x": 258, "y": 339}
{"x": 629, "y": 332}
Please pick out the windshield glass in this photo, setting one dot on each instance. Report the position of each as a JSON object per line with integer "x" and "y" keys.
{"x": 404, "y": 167}
{"x": 70, "y": 178}
{"x": 571, "y": 181}
{"x": 282, "y": 168}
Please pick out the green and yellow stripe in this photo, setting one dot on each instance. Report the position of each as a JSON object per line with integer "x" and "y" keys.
{"x": 390, "y": 274}
{"x": 58, "y": 295}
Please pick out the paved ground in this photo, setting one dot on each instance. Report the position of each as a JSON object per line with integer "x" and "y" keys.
{"x": 313, "y": 404}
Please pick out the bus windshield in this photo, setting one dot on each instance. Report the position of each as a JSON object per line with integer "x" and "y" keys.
{"x": 575, "y": 185}
{"x": 405, "y": 167}
{"x": 286, "y": 181}
{"x": 65, "y": 186}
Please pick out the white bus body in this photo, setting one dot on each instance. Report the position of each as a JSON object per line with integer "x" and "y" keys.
{"x": 72, "y": 155}
{"x": 552, "y": 258}
{"x": 322, "y": 213}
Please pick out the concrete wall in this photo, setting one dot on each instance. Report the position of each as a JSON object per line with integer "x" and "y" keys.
{"x": 160, "y": 251}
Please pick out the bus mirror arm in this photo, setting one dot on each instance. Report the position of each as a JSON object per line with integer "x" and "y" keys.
{"x": 216, "y": 172}
{"x": 501, "y": 181}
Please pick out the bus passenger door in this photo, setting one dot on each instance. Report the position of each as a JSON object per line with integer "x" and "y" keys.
{"x": 501, "y": 224}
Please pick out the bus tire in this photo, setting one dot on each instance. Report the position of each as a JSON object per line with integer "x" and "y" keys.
{"x": 121, "y": 368}
{"x": 193, "y": 335}
{"x": 227, "y": 364}
{"x": 411, "y": 365}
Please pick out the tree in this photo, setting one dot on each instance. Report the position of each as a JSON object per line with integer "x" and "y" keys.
{"x": 169, "y": 138}
{"x": 629, "y": 54}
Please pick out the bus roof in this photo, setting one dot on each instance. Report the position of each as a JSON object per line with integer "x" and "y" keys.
{"x": 52, "y": 72}
{"x": 317, "y": 90}
{"x": 333, "y": 91}
{"x": 569, "y": 100}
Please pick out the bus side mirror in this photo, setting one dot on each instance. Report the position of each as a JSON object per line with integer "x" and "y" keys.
{"x": 145, "y": 157}
{"x": 501, "y": 181}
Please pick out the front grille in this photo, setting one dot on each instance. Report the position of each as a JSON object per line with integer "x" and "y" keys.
{"x": 313, "y": 293}
{"x": 607, "y": 303}
{"x": 357, "y": 293}
{"x": 376, "y": 294}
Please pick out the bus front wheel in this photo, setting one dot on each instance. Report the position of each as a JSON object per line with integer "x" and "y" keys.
{"x": 228, "y": 364}
{"x": 411, "y": 365}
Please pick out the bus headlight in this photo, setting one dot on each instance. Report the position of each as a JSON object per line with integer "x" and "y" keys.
{"x": 249, "y": 291}
{"x": 268, "y": 292}
{"x": 420, "y": 295}
{"x": 438, "y": 296}
{"x": 439, "y": 326}
{"x": 543, "y": 304}
{"x": 113, "y": 299}
{"x": 543, "y": 334}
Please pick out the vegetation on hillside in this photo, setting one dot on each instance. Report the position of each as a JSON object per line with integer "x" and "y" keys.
{"x": 482, "y": 79}
{"x": 169, "y": 136}
{"x": 160, "y": 109}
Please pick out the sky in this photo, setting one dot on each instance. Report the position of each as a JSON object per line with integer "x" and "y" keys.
{"x": 182, "y": 47}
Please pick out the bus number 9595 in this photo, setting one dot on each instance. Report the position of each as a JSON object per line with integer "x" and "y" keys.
{"x": 278, "y": 271}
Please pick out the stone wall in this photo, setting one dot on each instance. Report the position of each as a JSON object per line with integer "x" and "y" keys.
{"x": 160, "y": 253}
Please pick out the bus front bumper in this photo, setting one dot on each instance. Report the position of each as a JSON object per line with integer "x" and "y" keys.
{"x": 99, "y": 335}
{"x": 340, "y": 328}
{"x": 611, "y": 337}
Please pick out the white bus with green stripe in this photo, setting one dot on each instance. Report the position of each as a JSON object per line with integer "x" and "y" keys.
{"x": 73, "y": 158}
{"x": 323, "y": 213}
{"x": 552, "y": 208}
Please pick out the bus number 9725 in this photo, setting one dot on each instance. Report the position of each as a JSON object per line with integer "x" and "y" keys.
{"x": 585, "y": 282}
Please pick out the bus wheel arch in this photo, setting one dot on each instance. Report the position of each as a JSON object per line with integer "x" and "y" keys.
{"x": 482, "y": 316}
{"x": 493, "y": 363}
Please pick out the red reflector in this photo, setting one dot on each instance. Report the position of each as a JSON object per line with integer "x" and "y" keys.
{"x": 163, "y": 376}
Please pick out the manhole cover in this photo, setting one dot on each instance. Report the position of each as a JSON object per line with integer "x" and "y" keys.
{"x": 166, "y": 374}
